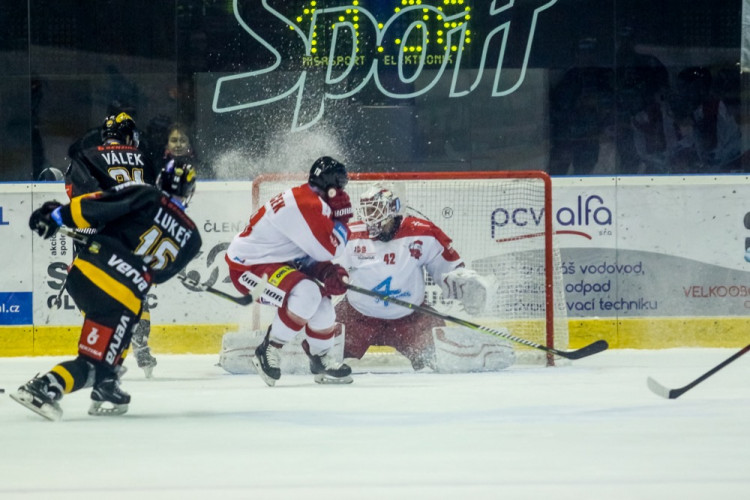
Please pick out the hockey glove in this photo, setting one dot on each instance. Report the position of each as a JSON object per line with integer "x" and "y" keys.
{"x": 41, "y": 220}
{"x": 332, "y": 276}
{"x": 467, "y": 286}
{"x": 341, "y": 206}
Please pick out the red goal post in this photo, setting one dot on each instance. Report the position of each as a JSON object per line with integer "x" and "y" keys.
{"x": 501, "y": 223}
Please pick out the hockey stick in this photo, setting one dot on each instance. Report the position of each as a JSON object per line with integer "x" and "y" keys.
{"x": 242, "y": 300}
{"x": 666, "y": 393}
{"x": 593, "y": 348}
{"x": 193, "y": 284}
{"x": 80, "y": 238}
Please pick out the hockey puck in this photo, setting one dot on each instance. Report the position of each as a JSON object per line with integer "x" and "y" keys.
{"x": 2, "y": 391}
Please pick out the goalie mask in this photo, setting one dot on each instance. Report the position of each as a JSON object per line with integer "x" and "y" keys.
{"x": 379, "y": 207}
{"x": 121, "y": 128}
{"x": 177, "y": 179}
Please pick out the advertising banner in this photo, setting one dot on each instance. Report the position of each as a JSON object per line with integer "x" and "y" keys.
{"x": 631, "y": 248}
{"x": 15, "y": 255}
{"x": 647, "y": 247}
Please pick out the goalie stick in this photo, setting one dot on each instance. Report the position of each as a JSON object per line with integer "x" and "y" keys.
{"x": 593, "y": 348}
{"x": 193, "y": 284}
{"x": 667, "y": 393}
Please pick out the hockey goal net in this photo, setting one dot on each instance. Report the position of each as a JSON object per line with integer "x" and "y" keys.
{"x": 500, "y": 223}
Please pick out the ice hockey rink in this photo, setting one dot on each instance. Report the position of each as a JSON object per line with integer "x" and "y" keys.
{"x": 589, "y": 430}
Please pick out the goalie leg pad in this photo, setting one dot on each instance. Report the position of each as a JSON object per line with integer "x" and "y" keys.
{"x": 460, "y": 350}
{"x": 238, "y": 352}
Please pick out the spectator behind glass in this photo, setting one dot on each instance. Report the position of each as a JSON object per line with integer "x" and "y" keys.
{"x": 179, "y": 145}
{"x": 178, "y": 141}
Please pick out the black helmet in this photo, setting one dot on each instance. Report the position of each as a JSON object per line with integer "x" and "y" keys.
{"x": 177, "y": 178}
{"x": 120, "y": 127}
{"x": 328, "y": 173}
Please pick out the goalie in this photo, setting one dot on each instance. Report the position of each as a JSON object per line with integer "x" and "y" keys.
{"x": 388, "y": 252}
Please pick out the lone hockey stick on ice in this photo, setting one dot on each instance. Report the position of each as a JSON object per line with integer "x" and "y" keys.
{"x": 667, "y": 393}
{"x": 593, "y": 348}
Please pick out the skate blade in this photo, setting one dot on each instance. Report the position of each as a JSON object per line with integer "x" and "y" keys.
{"x": 50, "y": 412}
{"x": 98, "y": 409}
{"x": 270, "y": 382}
{"x": 322, "y": 378}
{"x": 148, "y": 371}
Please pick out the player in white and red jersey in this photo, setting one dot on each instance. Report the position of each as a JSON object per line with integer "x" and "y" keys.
{"x": 388, "y": 253}
{"x": 291, "y": 240}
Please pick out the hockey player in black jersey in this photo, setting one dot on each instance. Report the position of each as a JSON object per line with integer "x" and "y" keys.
{"x": 116, "y": 159}
{"x": 144, "y": 237}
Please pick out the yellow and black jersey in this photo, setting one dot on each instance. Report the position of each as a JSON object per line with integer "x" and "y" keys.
{"x": 102, "y": 167}
{"x": 141, "y": 219}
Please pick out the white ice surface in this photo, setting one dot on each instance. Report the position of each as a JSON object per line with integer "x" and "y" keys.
{"x": 590, "y": 430}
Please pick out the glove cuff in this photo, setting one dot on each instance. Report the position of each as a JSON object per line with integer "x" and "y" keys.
{"x": 57, "y": 216}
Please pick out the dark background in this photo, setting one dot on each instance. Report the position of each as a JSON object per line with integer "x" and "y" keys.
{"x": 64, "y": 62}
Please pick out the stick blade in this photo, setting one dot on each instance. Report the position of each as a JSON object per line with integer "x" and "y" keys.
{"x": 662, "y": 391}
{"x": 593, "y": 348}
{"x": 244, "y": 300}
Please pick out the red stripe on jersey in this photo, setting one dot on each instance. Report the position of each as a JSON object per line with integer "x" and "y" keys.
{"x": 358, "y": 230}
{"x": 359, "y": 235}
{"x": 414, "y": 226}
{"x": 311, "y": 207}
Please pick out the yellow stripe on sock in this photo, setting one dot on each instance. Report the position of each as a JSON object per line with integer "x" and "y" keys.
{"x": 66, "y": 376}
{"x": 111, "y": 286}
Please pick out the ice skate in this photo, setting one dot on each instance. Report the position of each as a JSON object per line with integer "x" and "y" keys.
{"x": 267, "y": 361}
{"x": 142, "y": 352}
{"x": 326, "y": 369}
{"x": 37, "y": 397}
{"x": 144, "y": 359}
{"x": 107, "y": 399}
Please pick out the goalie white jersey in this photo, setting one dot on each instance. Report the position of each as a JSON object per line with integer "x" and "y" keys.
{"x": 394, "y": 267}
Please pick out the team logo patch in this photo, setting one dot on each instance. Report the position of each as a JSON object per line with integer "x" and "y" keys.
{"x": 94, "y": 339}
{"x": 278, "y": 276}
{"x": 415, "y": 249}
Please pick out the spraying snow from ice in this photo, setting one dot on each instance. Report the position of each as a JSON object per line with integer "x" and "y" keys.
{"x": 289, "y": 153}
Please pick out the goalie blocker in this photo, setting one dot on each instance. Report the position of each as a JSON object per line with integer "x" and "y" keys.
{"x": 457, "y": 350}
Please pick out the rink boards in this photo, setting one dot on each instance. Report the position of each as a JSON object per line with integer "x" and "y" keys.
{"x": 648, "y": 263}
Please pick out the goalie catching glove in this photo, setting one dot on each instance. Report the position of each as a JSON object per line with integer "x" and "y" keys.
{"x": 468, "y": 287}
{"x": 42, "y": 222}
